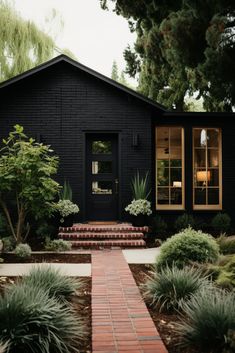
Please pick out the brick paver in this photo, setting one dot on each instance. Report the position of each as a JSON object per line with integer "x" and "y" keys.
{"x": 120, "y": 320}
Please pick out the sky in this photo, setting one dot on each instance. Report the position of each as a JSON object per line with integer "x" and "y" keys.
{"x": 96, "y": 37}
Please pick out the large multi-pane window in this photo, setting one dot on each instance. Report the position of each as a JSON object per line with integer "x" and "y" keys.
{"x": 170, "y": 167}
{"x": 207, "y": 168}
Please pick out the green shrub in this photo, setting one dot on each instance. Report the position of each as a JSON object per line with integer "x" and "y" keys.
{"x": 33, "y": 322}
{"x": 170, "y": 288}
{"x": 221, "y": 223}
{"x": 8, "y": 244}
{"x": 23, "y": 251}
{"x": 58, "y": 245}
{"x": 226, "y": 275}
{"x": 226, "y": 244}
{"x": 66, "y": 193}
{"x": 209, "y": 316}
{"x": 184, "y": 221}
{"x": 186, "y": 247}
{"x": 159, "y": 226}
{"x": 53, "y": 282}
{"x": 45, "y": 230}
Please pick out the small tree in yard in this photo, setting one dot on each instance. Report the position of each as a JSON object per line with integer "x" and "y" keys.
{"x": 25, "y": 177}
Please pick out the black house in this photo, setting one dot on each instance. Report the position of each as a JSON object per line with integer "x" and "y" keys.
{"x": 104, "y": 132}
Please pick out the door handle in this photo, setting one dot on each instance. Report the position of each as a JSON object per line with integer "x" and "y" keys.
{"x": 116, "y": 186}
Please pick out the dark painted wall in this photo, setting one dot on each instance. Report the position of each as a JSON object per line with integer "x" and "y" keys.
{"x": 61, "y": 104}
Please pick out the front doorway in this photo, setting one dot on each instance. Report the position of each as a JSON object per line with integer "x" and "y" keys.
{"x": 102, "y": 177}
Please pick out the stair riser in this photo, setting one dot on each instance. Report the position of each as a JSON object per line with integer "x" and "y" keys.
{"x": 107, "y": 244}
{"x": 97, "y": 236}
{"x": 103, "y": 230}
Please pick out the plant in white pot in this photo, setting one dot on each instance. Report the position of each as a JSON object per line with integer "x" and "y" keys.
{"x": 140, "y": 207}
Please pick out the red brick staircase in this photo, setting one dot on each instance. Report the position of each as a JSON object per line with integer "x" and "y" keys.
{"x": 101, "y": 236}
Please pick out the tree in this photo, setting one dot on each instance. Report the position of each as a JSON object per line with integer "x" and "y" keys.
{"x": 25, "y": 177}
{"x": 183, "y": 47}
{"x": 22, "y": 44}
{"x": 114, "y": 73}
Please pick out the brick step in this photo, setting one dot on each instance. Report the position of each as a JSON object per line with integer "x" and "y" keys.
{"x": 99, "y": 235}
{"x": 97, "y": 244}
{"x": 103, "y": 229}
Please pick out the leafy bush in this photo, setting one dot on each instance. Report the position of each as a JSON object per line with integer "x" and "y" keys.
{"x": 226, "y": 274}
{"x": 221, "y": 223}
{"x": 45, "y": 230}
{"x": 53, "y": 282}
{"x": 23, "y": 251}
{"x": 65, "y": 208}
{"x": 139, "y": 207}
{"x": 139, "y": 187}
{"x": 33, "y": 322}
{"x": 186, "y": 247}
{"x": 226, "y": 244}
{"x": 209, "y": 316}
{"x": 159, "y": 226}
{"x": 58, "y": 245}
{"x": 184, "y": 221}
{"x": 171, "y": 287}
{"x": 8, "y": 244}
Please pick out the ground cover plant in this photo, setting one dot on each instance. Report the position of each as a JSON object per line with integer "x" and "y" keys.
{"x": 226, "y": 244}
{"x": 186, "y": 247}
{"x": 168, "y": 289}
{"x": 57, "y": 245}
{"x": 23, "y": 251}
{"x": 53, "y": 282}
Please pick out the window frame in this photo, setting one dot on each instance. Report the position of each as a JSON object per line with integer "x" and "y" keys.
{"x": 173, "y": 207}
{"x": 206, "y": 207}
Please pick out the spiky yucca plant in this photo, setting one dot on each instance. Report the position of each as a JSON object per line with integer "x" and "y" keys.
{"x": 33, "y": 322}
{"x": 208, "y": 321}
{"x": 170, "y": 288}
{"x": 51, "y": 280}
{"x": 139, "y": 186}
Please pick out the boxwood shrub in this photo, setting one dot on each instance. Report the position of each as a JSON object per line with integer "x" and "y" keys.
{"x": 188, "y": 246}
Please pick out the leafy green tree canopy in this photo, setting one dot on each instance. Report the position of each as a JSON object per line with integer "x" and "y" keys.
{"x": 182, "y": 47}
{"x": 26, "y": 168}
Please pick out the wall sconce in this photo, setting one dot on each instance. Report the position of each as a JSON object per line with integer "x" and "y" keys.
{"x": 135, "y": 140}
{"x": 203, "y": 176}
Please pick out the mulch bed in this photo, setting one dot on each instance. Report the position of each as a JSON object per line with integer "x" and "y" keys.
{"x": 165, "y": 323}
{"x": 48, "y": 257}
{"x": 80, "y": 302}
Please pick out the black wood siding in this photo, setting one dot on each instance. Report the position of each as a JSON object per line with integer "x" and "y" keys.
{"x": 62, "y": 104}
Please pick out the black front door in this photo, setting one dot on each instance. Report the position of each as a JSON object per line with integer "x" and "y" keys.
{"x": 102, "y": 177}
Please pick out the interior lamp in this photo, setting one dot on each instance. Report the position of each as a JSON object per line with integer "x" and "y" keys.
{"x": 203, "y": 176}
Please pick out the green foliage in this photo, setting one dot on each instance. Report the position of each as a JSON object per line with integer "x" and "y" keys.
{"x": 226, "y": 273}
{"x": 58, "y": 245}
{"x": 65, "y": 208}
{"x": 23, "y": 251}
{"x": 159, "y": 226}
{"x": 221, "y": 223}
{"x": 170, "y": 288}
{"x": 183, "y": 48}
{"x": 188, "y": 246}
{"x": 3, "y": 225}
{"x": 33, "y": 322}
{"x": 209, "y": 316}
{"x": 26, "y": 168}
{"x": 45, "y": 230}
{"x": 139, "y": 186}
{"x": 15, "y": 58}
{"x": 226, "y": 244}
{"x": 114, "y": 73}
{"x": 184, "y": 221}
{"x": 66, "y": 193}
{"x": 8, "y": 244}
{"x": 53, "y": 282}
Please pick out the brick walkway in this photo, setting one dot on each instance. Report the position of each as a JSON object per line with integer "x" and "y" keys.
{"x": 120, "y": 320}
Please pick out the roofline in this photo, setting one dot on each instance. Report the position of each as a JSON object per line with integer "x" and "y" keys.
{"x": 197, "y": 114}
{"x": 86, "y": 69}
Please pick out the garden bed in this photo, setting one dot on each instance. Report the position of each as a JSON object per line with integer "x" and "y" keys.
{"x": 48, "y": 257}
{"x": 165, "y": 323}
{"x": 80, "y": 302}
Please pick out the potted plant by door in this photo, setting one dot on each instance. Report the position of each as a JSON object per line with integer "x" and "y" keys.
{"x": 140, "y": 207}
{"x": 65, "y": 208}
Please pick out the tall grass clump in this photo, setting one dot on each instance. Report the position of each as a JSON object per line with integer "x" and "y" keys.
{"x": 170, "y": 288}
{"x": 3, "y": 347}
{"x": 33, "y": 322}
{"x": 208, "y": 322}
{"x": 188, "y": 246}
{"x": 226, "y": 244}
{"x": 53, "y": 282}
{"x": 139, "y": 186}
